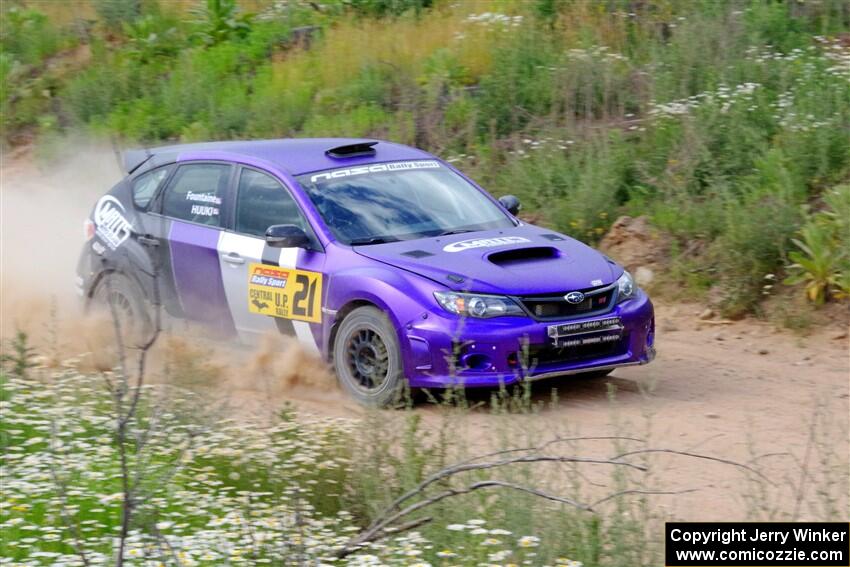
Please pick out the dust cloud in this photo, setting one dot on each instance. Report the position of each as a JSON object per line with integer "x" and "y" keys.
{"x": 45, "y": 195}
{"x": 44, "y": 199}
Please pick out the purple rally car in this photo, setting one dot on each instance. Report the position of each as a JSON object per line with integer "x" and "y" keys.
{"x": 381, "y": 258}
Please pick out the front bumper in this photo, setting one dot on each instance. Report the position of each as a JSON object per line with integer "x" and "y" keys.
{"x": 443, "y": 351}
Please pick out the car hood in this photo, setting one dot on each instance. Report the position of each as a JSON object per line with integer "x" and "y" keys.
{"x": 515, "y": 261}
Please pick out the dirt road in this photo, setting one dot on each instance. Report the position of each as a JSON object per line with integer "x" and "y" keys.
{"x": 741, "y": 391}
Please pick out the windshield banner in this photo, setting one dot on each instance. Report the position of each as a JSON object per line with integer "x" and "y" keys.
{"x": 375, "y": 168}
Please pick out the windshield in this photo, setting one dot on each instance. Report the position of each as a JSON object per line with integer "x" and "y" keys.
{"x": 387, "y": 202}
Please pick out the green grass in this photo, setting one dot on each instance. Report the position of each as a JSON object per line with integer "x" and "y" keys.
{"x": 711, "y": 118}
{"x": 216, "y": 490}
{"x": 210, "y": 490}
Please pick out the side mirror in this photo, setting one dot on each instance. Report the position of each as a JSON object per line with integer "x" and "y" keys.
{"x": 287, "y": 236}
{"x": 511, "y": 203}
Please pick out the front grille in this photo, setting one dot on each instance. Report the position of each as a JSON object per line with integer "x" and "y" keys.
{"x": 541, "y": 356}
{"x": 550, "y": 306}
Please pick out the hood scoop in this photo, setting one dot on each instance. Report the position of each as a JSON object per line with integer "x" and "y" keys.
{"x": 521, "y": 255}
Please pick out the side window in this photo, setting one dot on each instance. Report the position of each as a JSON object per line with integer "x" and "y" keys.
{"x": 261, "y": 202}
{"x": 145, "y": 186}
{"x": 196, "y": 192}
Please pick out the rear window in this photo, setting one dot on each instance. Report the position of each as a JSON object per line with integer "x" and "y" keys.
{"x": 145, "y": 186}
{"x": 196, "y": 192}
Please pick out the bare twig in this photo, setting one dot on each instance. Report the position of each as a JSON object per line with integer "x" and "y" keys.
{"x": 395, "y": 512}
{"x": 644, "y": 492}
{"x": 381, "y": 529}
{"x": 804, "y": 468}
{"x": 393, "y": 518}
{"x": 376, "y": 533}
{"x": 694, "y": 456}
{"x": 549, "y": 443}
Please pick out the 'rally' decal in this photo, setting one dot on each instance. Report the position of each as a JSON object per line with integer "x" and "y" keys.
{"x": 375, "y": 168}
{"x": 111, "y": 225}
{"x": 285, "y": 292}
{"x": 483, "y": 243}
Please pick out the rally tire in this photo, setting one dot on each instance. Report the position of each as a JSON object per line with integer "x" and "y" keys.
{"x": 128, "y": 304}
{"x": 367, "y": 358}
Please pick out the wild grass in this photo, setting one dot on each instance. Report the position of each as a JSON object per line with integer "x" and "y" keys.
{"x": 215, "y": 491}
{"x": 208, "y": 490}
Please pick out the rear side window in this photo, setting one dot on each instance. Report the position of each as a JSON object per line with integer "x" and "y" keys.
{"x": 145, "y": 186}
{"x": 196, "y": 193}
{"x": 261, "y": 202}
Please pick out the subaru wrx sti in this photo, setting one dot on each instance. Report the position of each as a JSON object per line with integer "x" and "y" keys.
{"x": 384, "y": 260}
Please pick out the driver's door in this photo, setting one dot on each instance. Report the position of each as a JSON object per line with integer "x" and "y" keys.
{"x": 270, "y": 290}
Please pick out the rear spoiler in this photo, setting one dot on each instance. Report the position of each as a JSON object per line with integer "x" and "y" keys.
{"x": 135, "y": 158}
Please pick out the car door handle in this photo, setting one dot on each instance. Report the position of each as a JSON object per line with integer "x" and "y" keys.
{"x": 149, "y": 241}
{"x": 233, "y": 258}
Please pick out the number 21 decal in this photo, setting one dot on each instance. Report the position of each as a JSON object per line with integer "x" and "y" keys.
{"x": 285, "y": 292}
{"x": 305, "y": 295}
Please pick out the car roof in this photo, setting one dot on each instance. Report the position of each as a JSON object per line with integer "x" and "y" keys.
{"x": 296, "y": 155}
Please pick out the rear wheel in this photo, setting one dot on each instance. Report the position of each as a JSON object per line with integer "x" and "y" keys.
{"x": 120, "y": 299}
{"x": 367, "y": 357}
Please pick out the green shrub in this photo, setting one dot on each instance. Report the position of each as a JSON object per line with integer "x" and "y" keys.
{"x": 18, "y": 356}
{"x": 758, "y": 231}
{"x": 97, "y": 90}
{"x": 151, "y": 37}
{"x": 520, "y": 85}
{"x": 362, "y": 121}
{"x": 378, "y": 8}
{"x": 28, "y": 36}
{"x": 822, "y": 258}
{"x": 116, "y": 14}
{"x": 578, "y": 187}
{"x": 219, "y": 20}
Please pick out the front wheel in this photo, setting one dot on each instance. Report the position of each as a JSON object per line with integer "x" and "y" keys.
{"x": 367, "y": 357}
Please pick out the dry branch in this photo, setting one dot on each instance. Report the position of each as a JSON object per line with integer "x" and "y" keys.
{"x": 394, "y": 520}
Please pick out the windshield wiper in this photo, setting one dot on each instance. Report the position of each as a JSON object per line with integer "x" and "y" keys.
{"x": 372, "y": 240}
{"x": 456, "y": 231}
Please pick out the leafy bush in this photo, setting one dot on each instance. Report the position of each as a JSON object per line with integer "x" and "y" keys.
{"x": 115, "y": 14}
{"x": 520, "y": 86}
{"x": 378, "y": 8}
{"x": 822, "y": 258}
{"x": 151, "y": 37}
{"x": 220, "y": 20}
{"x": 28, "y": 36}
{"x": 576, "y": 188}
{"x": 754, "y": 244}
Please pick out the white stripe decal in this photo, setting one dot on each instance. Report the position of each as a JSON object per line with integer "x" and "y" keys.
{"x": 289, "y": 259}
{"x": 235, "y": 278}
{"x": 305, "y": 336}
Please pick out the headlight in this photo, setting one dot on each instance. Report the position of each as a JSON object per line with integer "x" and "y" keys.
{"x": 626, "y": 286}
{"x": 475, "y": 305}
